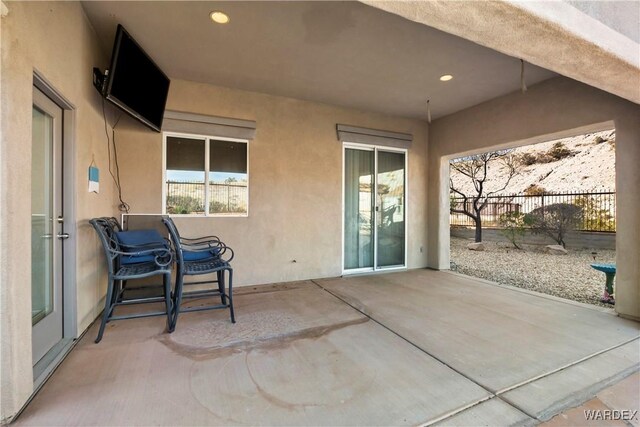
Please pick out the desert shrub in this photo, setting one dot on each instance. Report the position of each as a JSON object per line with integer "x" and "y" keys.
{"x": 594, "y": 215}
{"x": 513, "y": 225}
{"x": 183, "y": 205}
{"x": 534, "y": 190}
{"x": 231, "y": 207}
{"x": 559, "y": 151}
{"x": 528, "y": 159}
{"x": 555, "y": 220}
{"x": 453, "y": 203}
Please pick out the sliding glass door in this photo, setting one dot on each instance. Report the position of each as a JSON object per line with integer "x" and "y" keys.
{"x": 390, "y": 218}
{"x": 359, "y": 205}
{"x": 374, "y": 208}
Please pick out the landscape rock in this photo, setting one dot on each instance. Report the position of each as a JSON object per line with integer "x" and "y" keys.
{"x": 555, "y": 250}
{"x": 476, "y": 246}
{"x": 568, "y": 276}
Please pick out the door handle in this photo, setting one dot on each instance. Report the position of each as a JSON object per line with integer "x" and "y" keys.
{"x": 63, "y": 236}
{"x": 47, "y": 236}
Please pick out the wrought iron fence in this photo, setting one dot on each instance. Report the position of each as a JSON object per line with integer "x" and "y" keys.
{"x": 230, "y": 197}
{"x": 189, "y": 197}
{"x": 597, "y": 209}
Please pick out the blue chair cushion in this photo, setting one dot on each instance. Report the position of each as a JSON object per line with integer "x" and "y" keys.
{"x": 200, "y": 255}
{"x": 130, "y": 239}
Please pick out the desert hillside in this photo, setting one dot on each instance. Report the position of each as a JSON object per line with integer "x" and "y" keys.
{"x": 581, "y": 163}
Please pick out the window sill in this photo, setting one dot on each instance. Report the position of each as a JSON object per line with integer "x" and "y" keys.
{"x": 208, "y": 216}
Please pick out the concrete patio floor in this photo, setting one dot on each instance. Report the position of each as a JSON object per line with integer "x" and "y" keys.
{"x": 408, "y": 348}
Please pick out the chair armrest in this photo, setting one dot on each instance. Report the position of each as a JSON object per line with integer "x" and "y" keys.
{"x": 165, "y": 244}
{"x": 204, "y": 246}
{"x": 201, "y": 243}
{"x": 202, "y": 237}
{"x": 221, "y": 248}
{"x": 163, "y": 256}
{"x": 199, "y": 240}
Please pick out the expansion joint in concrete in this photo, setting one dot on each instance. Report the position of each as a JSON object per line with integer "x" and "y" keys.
{"x": 493, "y": 394}
{"x": 447, "y": 415}
{"x": 562, "y": 368}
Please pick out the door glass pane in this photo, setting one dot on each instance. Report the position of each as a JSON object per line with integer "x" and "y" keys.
{"x": 358, "y": 209}
{"x": 41, "y": 216}
{"x": 391, "y": 203}
{"x": 185, "y": 175}
{"x": 228, "y": 191}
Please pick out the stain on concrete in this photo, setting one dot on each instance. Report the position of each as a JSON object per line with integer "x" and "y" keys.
{"x": 270, "y": 288}
{"x": 263, "y": 343}
{"x": 337, "y": 389}
{"x": 273, "y": 400}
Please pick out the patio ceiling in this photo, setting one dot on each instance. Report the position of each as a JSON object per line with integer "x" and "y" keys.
{"x": 341, "y": 53}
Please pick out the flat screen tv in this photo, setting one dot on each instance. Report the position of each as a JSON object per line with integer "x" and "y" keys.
{"x": 135, "y": 83}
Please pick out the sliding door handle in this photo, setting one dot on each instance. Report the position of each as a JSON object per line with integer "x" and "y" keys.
{"x": 63, "y": 236}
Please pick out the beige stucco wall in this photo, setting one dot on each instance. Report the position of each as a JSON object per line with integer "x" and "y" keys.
{"x": 56, "y": 40}
{"x": 295, "y": 181}
{"x": 556, "y": 107}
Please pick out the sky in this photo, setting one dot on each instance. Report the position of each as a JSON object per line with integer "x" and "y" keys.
{"x": 191, "y": 176}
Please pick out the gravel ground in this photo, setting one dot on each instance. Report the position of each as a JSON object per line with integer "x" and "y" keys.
{"x": 565, "y": 276}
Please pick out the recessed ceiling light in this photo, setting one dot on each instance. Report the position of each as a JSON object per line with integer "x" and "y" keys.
{"x": 446, "y": 78}
{"x": 219, "y": 17}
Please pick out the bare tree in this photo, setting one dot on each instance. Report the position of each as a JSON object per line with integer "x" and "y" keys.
{"x": 476, "y": 168}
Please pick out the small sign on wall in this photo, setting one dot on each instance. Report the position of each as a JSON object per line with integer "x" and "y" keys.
{"x": 94, "y": 179}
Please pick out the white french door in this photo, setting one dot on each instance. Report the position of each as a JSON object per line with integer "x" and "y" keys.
{"x": 47, "y": 232}
{"x": 374, "y": 206}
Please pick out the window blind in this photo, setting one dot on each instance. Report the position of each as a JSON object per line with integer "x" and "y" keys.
{"x": 178, "y": 121}
{"x": 360, "y": 135}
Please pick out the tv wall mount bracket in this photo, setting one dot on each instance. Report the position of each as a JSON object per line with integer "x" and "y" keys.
{"x": 100, "y": 80}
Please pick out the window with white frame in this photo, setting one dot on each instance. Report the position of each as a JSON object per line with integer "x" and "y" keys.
{"x": 205, "y": 176}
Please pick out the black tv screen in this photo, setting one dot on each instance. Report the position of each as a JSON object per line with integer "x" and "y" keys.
{"x": 135, "y": 83}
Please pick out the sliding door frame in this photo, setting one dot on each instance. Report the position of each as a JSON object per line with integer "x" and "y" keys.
{"x": 375, "y": 149}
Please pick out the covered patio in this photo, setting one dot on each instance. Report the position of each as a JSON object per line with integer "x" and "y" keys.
{"x": 407, "y": 348}
{"x": 314, "y": 139}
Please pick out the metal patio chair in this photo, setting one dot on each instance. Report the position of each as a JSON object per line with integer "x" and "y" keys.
{"x": 200, "y": 256}
{"x": 129, "y": 262}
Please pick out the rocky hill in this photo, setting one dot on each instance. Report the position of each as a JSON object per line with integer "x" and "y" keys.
{"x": 580, "y": 163}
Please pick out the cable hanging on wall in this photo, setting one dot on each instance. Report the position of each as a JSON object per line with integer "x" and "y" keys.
{"x": 111, "y": 142}
{"x": 523, "y": 85}
{"x": 429, "y": 111}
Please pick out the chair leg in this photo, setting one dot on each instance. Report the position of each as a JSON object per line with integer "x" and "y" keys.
{"x": 168, "y": 301}
{"x": 177, "y": 300}
{"x": 223, "y": 297}
{"x": 108, "y": 306}
{"x": 233, "y": 317}
{"x": 118, "y": 295}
